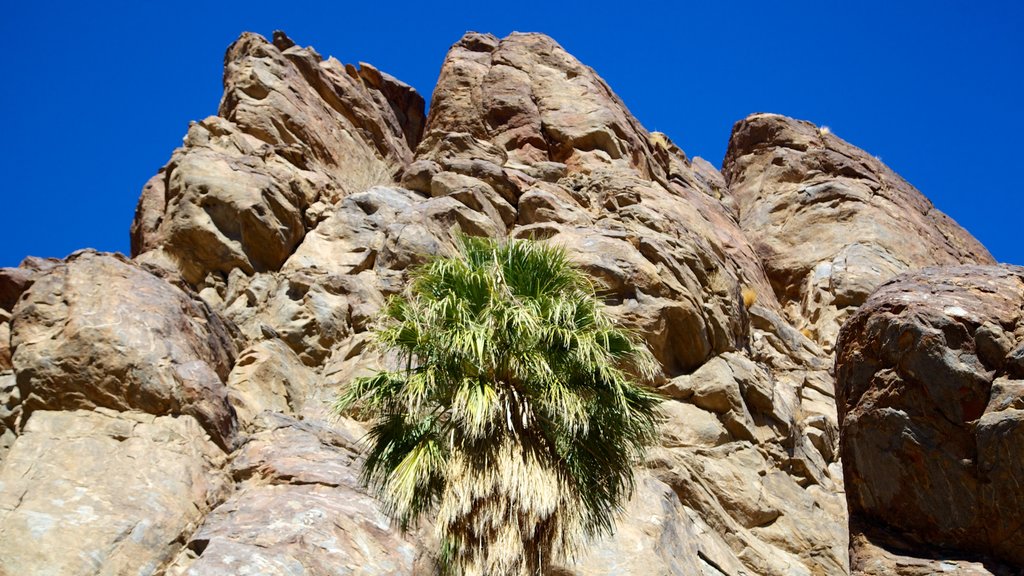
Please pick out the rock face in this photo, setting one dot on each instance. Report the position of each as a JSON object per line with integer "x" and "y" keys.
{"x": 153, "y": 347}
{"x": 104, "y": 492}
{"x": 931, "y": 404}
{"x": 264, "y": 249}
{"x": 793, "y": 182}
{"x": 302, "y": 480}
{"x": 294, "y": 133}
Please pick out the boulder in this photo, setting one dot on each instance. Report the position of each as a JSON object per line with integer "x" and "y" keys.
{"x": 831, "y": 222}
{"x": 931, "y": 411}
{"x": 13, "y": 282}
{"x": 99, "y": 331}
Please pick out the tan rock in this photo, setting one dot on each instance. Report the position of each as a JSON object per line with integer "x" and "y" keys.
{"x": 268, "y": 376}
{"x": 687, "y": 425}
{"x": 292, "y": 129}
{"x": 5, "y": 341}
{"x": 831, "y": 222}
{"x": 654, "y": 536}
{"x": 763, "y": 520}
{"x": 10, "y": 411}
{"x": 104, "y": 492}
{"x": 299, "y": 508}
{"x": 283, "y": 214}
{"x": 98, "y": 330}
{"x": 547, "y": 203}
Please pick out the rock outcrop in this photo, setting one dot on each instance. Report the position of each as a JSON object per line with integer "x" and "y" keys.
{"x": 264, "y": 249}
{"x": 104, "y": 492}
{"x": 830, "y": 222}
{"x": 98, "y": 331}
{"x": 930, "y": 384}
{"x": 294, "y": 134}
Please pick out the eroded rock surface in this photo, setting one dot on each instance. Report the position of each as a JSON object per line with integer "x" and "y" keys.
{"x": 831, "y": 222}
{"x": 523, "y": 133}
{"x": 99, "y": 331}
{"x": 105, "y": 492}
{"x": 297, "y": 509}
{"x": 294, "y": 132}
{"x": 931, "y": 401}
{"x": 282, "y": 225}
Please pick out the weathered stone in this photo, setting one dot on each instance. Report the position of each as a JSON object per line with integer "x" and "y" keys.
{"x": 831, "y": 222}
{"x": 13, "y": 282}
{"x": 10, "y": 411}
{"x": 932, "y": 443}
{"x": 419, "y": 175}
{"x": 292, "y": 129}
{"x": 888, "y": 556}
{"x": 282, "y": 213}
{"x": 5, "y": 341}
{"x": 268, "y": 376}
{"x": 765, "y": 521}
{"x": 104, "y": 492}
{"x": 551, "y": 204}
{"x": 654, "y": 537}
{"x": 687, "y": 425}
{"x": 152, "y": 347}
{"x": 298, "y": 509}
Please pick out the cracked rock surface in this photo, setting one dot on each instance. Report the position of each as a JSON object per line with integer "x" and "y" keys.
{"x": 170, "y": 413}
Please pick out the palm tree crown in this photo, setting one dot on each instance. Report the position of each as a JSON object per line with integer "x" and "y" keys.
{"x": 513, "y": 417}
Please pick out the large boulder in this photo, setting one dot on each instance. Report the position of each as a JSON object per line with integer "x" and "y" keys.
{"x": 99, "y": 331}
{"x": 105, "y": 492}
{"x": 930, "y": 388}
{"x": 830, "y": 221}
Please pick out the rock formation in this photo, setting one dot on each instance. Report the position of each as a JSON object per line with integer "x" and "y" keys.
{"x": 930, "y": 382}
{"x": 169, "y": 414}
{"x": 831, "y": 223}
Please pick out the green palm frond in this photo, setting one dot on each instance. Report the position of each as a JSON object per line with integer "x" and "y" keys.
{"x": 514, "y": 416}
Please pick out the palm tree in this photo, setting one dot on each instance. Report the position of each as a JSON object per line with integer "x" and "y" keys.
{"x": 513, "y": 419}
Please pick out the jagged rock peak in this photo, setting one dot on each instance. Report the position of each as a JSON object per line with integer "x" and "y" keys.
{"x": 538, "y": 103}
{"x": 831, "y": 222}
{"x": 266, "y": 246}
{"x": 294, "y": 133}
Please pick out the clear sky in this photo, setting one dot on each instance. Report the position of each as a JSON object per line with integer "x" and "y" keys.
{"x": 97, "y": 95}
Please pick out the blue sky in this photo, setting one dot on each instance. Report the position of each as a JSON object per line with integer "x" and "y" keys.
{"x": 97, "y": 96}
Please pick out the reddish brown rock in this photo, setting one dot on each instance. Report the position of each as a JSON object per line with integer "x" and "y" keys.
{"x": 13, "y": 282}
{"x": 98, "y": 330}
{"x": 931, "y": 406}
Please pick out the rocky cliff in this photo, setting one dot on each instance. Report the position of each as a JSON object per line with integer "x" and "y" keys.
{"x": 168, "y": 413}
